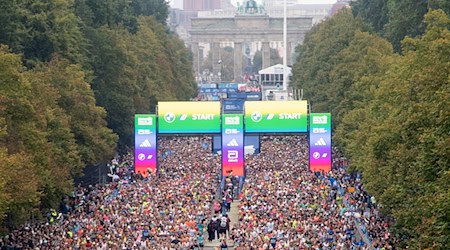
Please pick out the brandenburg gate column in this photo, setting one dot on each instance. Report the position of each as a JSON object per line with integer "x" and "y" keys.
{"x": 238, "y": 61}
{"x": 265, "y": 55}
{"x": 196, "y": 59}
{"x": 215, "y": 49}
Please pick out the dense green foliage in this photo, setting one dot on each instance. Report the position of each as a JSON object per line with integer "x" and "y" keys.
{"x": 51, "y": 129}
{"x": 396, "y": 19}
{"x": 319, "y": 54}
{"x": 39, "y": 28}
{"x": 391, "y": 115}
{"x": 134, "y": 71}
{"x": 72, "y": 75}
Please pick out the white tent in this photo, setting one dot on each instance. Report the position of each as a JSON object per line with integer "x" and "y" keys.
{"x": 275, "y": 69}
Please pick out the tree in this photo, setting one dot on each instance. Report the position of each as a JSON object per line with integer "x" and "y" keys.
{"x": 349, "y": 87}
{"x": 20, "y": 139}
{"x": 405, "y": 19}
{"x": 5, "y": 196}
{"x": 45, "y": 141}
{"x": 12, "y": 29}
{"x": 114, "y": 84}
{"x": 113, "y": 13}
{"x": 396, "y": 19}
{"x": 440, "y": 4}
{"x": 374, "y": 12}
{"x": 95, "y": 142}
{"x": 50, "y": 124}
{"x": 400, "y": 140}
{"x": 134, "y": 71}
{"x": 159, "y": 9}
{"x": 173, "y": 63}
{"x": 316, "y": 57}
{"x": 391, "y": 113}
{"x": 39, "y": 28}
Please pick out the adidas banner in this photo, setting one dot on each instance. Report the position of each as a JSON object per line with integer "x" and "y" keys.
{"x": 145, "y": 146}
{"x": 232, "y": 144}
{"x": 320, "y": 142}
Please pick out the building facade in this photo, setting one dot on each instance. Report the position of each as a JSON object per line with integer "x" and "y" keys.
{"x": 201, "y": 5}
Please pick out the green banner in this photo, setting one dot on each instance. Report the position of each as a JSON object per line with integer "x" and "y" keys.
{"x": 188, "y": 117}
{"x": 276, "y": 117}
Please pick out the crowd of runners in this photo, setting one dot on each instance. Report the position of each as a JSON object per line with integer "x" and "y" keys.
{"x": 164, "y": 212}
{"x": 285, "y": 206}
{"x": 282, "y": 205}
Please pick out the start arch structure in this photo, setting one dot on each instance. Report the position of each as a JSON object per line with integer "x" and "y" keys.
{"x": 242, "y": 29}
{"x": 209, "y": 118}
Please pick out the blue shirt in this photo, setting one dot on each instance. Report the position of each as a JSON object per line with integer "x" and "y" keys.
{"x": 273, "y": 240}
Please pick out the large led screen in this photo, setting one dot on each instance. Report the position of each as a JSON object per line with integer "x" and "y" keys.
{"x": 232, "y": 144}
{"x": 320, "y": 142}
{"x": 276, "y": 117}
{"x": 145, "y": 146}
{"x": 188, "y": 117}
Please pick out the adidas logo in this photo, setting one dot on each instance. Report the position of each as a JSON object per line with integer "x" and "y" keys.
{"x": 145, "y": 144}
{"x": 183, "y": 117}
{"x": 233, "y": 143}
{"x": 320, "y": 142}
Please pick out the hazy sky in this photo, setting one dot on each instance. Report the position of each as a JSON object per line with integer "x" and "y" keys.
{"x": 179, "y": 3}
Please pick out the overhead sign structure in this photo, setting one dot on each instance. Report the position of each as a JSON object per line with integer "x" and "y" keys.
{"x": 145, "y": 146}
{"x": 320, "y": 142}
{"x": 233, "y": 144}
{"x": 276, "y": 117}
{"x": 188, "y": 117}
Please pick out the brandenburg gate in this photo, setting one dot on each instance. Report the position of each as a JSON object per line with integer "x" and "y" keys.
{"x": 249, "y": 25}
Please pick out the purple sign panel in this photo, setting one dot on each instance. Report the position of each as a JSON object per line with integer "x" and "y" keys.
{"x": 145, "y": 146}
{"x": 232, "y": 144}
{"x": 320, "y": 142}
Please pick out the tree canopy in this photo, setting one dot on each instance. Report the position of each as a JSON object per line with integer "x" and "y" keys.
{"x": 317, "y": 56}
{"x": 397, "y": 19}
{"x": 72, "y": 75}
{"x": 391, "y": 114}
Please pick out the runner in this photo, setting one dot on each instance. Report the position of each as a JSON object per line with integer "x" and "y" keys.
{"x": 282, "y": 206}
